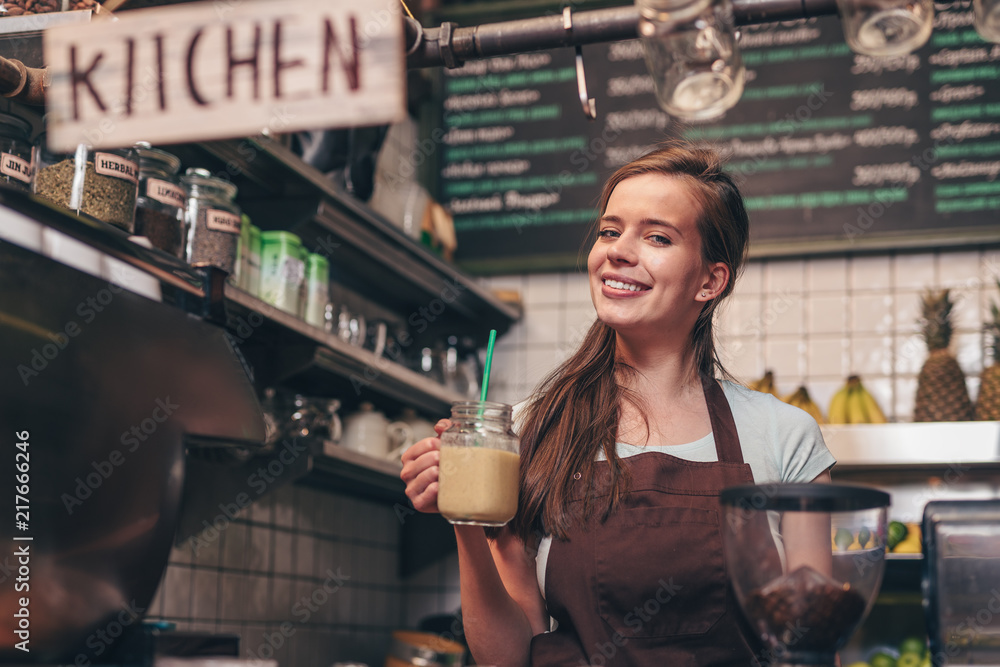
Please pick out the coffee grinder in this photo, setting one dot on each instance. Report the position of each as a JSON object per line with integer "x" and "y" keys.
{"x": 806, "y": 563}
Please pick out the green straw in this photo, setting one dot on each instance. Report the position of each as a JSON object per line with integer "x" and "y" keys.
{"x": 489, "y": 362}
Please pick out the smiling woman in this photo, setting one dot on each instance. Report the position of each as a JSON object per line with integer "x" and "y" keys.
{"x": 615, "y": 553}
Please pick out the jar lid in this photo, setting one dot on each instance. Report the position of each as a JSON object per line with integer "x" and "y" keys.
{"x": 199, "y": 177}
{"x": 316, "y": 261}
{"x": 280, "y": 238}
{"x": 14, "y": 127}
{"x": 150, "y": 157}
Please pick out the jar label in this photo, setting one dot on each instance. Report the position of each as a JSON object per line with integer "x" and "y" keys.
{"x": 15, "y": 167}
{"x": 222, "y": 221}
{"x": 165, "y": 192}
{"x": 293, "y": 271}
{"x": 109, "y": 164}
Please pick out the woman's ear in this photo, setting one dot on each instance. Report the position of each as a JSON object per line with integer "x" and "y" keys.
{"x": 715, "y": 283}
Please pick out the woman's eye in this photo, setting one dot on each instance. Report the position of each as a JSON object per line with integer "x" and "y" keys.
{"x": 659, "y": 238}
{"x": 607, "y": 233}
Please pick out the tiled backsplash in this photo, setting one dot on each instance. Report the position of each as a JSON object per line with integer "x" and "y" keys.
{"x": 306, "y": 577}
{"x": 811, "y": 321}
{"x": 312, "y": 577}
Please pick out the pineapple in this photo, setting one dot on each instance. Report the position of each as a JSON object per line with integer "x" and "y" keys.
{"x": 941, "y": 391}
{"x": 988, "y": 405}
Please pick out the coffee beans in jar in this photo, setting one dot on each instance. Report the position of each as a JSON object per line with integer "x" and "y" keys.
{"x": 15, "y": 152}
{"x": 102, "y": 183}
{"x": 159, "y": 210}
{"x": 26, "y": 7}
{"x": 213, "y": 220}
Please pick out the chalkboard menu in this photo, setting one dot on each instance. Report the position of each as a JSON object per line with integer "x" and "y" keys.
{"x": 836, "y": 152}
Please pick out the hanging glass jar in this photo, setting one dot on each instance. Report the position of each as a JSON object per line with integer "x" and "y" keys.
{"x": 159, "y": 212}
{"x": 15, "y": 152}
{"x": 213, "y": 220}
{"x": 102, "y": 183}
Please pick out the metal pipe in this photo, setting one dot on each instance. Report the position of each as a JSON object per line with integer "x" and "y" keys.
{"x": 24, "y": 84}
{"x": 451, "y": 45}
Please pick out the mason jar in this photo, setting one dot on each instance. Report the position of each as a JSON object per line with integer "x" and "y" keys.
{"x": 213, "y": 220}
{"x": 102, "y": 183}
{"x": 478, "y": 466}
{"x": 159, "y": 209}
{"x": 15, "y": 152}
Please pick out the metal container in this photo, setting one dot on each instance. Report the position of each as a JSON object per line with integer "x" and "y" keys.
{"x": 961, "y": 581}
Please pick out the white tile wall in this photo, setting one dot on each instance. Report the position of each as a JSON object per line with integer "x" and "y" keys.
{"x": 811, "y": 321}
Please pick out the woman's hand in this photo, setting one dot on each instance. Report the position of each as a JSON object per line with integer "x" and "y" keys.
{"x": 420, "y": 470}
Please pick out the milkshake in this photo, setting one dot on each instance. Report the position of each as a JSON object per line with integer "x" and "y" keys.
{"x": 477, "y": 485}
{"x": 478, "y": 469}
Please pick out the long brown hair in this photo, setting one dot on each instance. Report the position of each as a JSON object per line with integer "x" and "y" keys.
{"x": 576, "y": 410}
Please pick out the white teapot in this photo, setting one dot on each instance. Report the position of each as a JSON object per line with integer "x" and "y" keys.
{"x": 370, "y": 432}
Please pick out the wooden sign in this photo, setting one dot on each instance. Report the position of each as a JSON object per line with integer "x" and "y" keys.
{"x": 226, "y": 68}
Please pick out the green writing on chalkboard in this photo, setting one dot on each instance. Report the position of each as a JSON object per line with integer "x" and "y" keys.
{"x": 959, "y": 205}
{"x": 513, "y": 115}
{"x": 518, "y": 220}
{"x": 787, "y": 126}
{"x": 812, "y": 52}
{"x": 965, "y": 112}
{"x": 753, "y": 166}
{"x": 826, "y": 199}
{"x": 512, "y": 80}
{"x": 967, "y": 190}
{"x": 968, "y": 150}
{"x": 782, "y": 92}
{"x": 956, "y": 38}
{"x": 548, "y": 181}
{"x": 515, "y": 148}
{"x": 960, "y": 74}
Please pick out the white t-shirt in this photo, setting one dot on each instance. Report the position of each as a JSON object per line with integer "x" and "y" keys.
{"x": 780, "y": 442}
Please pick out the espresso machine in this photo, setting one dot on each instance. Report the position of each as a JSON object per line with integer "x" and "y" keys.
{"x": 961, "y": 581}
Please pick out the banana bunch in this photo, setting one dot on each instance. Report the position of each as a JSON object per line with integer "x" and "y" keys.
{"x": 852, "y": 404}
{"x": 765, "y": 385}
{"x": 801, "y": 399}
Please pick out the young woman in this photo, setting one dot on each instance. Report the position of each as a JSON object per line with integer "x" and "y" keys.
{"x": 615, "y": 554}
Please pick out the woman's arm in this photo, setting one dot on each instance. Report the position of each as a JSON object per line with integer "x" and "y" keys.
{"x": 502, "y": 608}
{"x": 807, "y": 538}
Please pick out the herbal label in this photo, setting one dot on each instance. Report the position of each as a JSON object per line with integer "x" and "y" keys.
{"x": 222, "y": 221}
{"x": 165, "y": 192}
{"x": 15, "y": 167}
{"x": 109, "y": 164}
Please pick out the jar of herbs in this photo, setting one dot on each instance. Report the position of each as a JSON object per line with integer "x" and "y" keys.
{"x": 15, "y": 152}
{"x": 102, "y": 183}
{"x": 159, "y": 209}
{"x": 213, "y": 220}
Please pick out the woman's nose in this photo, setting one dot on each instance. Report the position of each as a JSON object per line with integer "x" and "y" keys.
{"x": 622, "y": 250}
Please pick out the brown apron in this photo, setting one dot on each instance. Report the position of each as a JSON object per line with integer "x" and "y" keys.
{"x": 648, "y": 587}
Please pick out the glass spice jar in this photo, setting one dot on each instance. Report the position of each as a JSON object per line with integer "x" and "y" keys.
{"x": 213, "y": 220}
{"x": 282, "y": 270}
{"x": 159, "y": 211}
{"x": 15, "y": 152}
{"x": 102, "y": 183}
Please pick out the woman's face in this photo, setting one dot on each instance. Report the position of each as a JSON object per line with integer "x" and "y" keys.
{"x": 646, "y": 270}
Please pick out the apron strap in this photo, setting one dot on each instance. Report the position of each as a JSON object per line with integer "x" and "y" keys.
{"x": 727, "y": 440}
